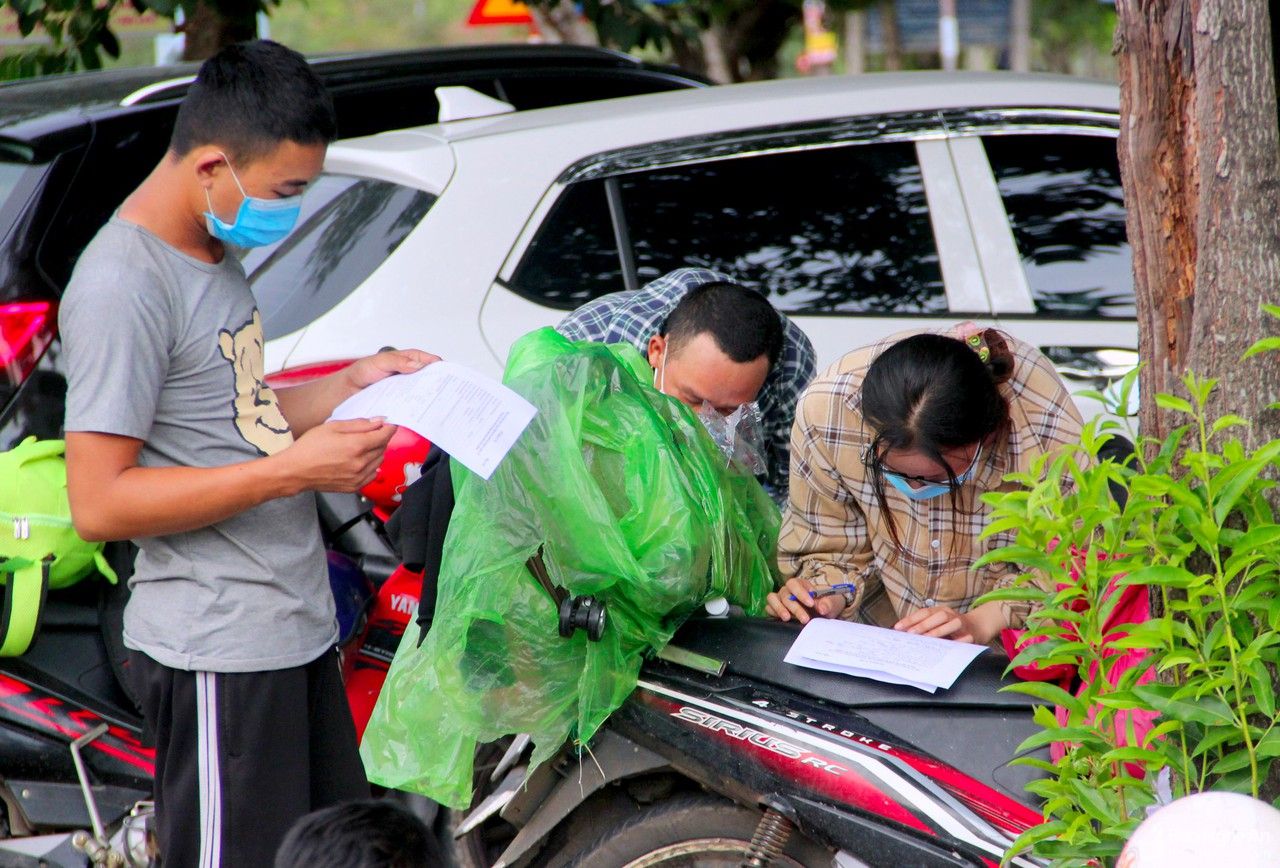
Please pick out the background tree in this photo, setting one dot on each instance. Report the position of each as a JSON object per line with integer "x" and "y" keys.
{"x": 79, "y": 32}
{"x": 1200, "y": 159}
{"x": 729, "y": 40}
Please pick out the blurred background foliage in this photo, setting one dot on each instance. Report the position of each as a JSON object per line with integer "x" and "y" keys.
{"x": 757, "y": 38}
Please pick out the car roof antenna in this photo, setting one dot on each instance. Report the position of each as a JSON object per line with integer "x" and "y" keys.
{"x": 461, "y": 103}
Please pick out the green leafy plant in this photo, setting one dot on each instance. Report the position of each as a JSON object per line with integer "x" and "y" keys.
{"x": 1193, "y": 524}
{"x": 77, "y": 31}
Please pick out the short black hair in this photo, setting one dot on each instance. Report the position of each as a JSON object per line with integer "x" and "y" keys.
{"x": 250, "y": 98}
{"x": 373, "y": 833}
{"x": 740, "y": 320}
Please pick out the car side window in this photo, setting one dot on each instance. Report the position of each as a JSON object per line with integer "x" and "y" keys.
{"x": 574, "y": 256}
{"x": 347, "y": 228}
{"x": 1066, "y": 210}
{"x": 841, "y": 230}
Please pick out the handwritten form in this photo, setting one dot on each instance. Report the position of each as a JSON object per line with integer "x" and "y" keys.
{"x": 472, "y": 417}
{"x": 885, "y": 655}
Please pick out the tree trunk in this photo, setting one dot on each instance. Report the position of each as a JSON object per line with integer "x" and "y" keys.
{"x": 715, "y": 63}
{"x": 1238, "y": 263}
{"x": 891, "y": 34}
{"x": 1020, "y": 36}
{"x": 215, "y": 25}
{"x": 563, "y": 23}
{"x": 752, "y": 38}
{"x": 1200, "y": 159}
{"x": 854, "y": 44}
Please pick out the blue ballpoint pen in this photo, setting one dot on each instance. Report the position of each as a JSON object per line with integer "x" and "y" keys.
{"x": 843, "y": 587}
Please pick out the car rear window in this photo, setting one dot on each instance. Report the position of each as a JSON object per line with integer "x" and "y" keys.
{"x": 348, "y": 227}
{"x": 574, "y": 257}
{"x": 1066, "y": 210}
{"x": 841, "y": 230}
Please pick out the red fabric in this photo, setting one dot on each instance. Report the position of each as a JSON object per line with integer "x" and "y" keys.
{"x": 1133, "y": 608}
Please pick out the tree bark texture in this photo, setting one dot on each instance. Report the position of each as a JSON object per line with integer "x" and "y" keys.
{"x": 1200, "y": 160}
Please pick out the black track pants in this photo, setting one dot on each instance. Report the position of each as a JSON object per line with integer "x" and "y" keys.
{"x": 241, "y": 756}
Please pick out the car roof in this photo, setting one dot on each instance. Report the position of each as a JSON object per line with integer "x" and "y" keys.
{"x": 425, "y": 157}
{"x": 32, "y": 109}
{"x": 817, "y": 98}
{"x": 109, "y": 87}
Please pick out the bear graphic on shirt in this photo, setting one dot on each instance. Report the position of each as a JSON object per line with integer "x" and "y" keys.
{"x": 257, "y": 410}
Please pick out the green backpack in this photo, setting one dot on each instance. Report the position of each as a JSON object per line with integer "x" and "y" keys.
{"x": 39, "y": 547}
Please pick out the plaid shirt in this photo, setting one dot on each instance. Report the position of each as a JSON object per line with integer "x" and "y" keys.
{"x": 637, "y": 315}
{"x": 834, "y": 530}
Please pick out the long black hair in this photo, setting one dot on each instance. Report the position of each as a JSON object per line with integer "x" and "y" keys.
{"x": 932, "y": 393}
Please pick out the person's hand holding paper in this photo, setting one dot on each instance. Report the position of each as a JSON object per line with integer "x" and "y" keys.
{"x": 472, "y": 417}
{"x": 891, "y": 656}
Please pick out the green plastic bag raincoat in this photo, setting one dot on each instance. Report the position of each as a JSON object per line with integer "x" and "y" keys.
{"x": 631, "y": 501}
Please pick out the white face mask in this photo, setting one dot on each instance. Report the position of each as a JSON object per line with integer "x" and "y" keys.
{"x": 661, "y": 386}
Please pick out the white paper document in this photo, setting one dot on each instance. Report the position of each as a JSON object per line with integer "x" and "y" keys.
{"x": 885, "y": 655}
{"x": 474, "y": 418}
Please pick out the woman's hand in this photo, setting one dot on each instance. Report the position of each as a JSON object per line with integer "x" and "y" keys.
{"x": 979, "y": 625}
{"x": 795, "y": 599}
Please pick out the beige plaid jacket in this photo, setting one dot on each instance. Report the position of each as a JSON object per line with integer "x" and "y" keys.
{"x": 834, "y": 530}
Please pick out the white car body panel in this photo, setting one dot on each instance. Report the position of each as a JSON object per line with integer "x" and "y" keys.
{"x": 498, "y": 177}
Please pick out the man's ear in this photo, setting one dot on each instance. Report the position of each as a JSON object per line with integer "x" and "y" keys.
{"x": 657, "y": 347}
{"x": 207, "y": 161}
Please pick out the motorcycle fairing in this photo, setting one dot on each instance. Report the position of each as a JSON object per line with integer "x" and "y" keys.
{"x": 770, "y": 747}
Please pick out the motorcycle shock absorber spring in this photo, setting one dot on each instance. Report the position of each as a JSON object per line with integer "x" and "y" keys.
{"x": 769, "y": 840}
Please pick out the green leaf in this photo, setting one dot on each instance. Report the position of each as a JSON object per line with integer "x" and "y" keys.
{"x": 1265, "y": 537}
{"x": 1232, "y": 762}
{"x": 1264, "y": 691}
{"x": 1266, "y": 345}
{"x": 1164, "y": 575}
{"x": 1051, "y": 693}
{"x": 1208, "y": 710}
{"x": 1035, "y": 559}
{"x": 1078, "y": 734}
{"x": 1230, "y": 420}
{"x": 1240, "y": 477}
{"x": 1215, "y": 738}
{"x": 1147, "y": 635}
{"x": 1135, "y": 754}
{"x": 1092, "y": 801}
{"x": 1172, "y": 402}
{"x": 1053, "y": 652}
{"x": 1033, "y": 836}
{"x": 1269, "y": 746}
{"x": 1014, "y": 593}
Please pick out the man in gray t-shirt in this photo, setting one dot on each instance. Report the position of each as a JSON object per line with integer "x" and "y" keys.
{"x": 174, "y": 440}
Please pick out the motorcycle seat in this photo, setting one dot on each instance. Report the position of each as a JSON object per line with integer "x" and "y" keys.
{"x": 755, "y": 647}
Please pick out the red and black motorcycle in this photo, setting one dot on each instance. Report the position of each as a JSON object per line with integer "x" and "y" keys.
{"x": 724, "y": 755}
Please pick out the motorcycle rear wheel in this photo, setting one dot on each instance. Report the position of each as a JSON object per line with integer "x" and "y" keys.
{"x": 687, "y": 832}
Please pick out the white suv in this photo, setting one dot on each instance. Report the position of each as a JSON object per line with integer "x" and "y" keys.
{"x": 861, "y": 205}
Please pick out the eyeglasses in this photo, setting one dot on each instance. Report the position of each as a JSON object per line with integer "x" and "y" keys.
{"x": 872, "y": 461}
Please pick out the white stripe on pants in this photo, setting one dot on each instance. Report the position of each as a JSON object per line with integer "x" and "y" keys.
{"x": 209, "y": 770}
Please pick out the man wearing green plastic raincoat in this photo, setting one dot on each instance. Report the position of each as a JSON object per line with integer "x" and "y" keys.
{"x": 628, "y": 499}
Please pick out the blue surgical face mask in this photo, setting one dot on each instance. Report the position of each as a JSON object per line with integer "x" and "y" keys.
{"x": 258, "y": 222}
{"x": 932, "y": 489}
